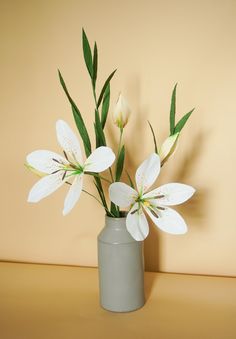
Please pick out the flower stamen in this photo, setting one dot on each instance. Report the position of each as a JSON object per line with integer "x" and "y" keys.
{"x": 63, "y": 177}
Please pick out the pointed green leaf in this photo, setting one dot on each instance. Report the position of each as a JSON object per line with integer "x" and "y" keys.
{"x": 104, "y": 87}
{"x": 120, "y": 163}
{"x": 172, "y": 110}
{"x": 100, "y": 136}
{"x": 87, "y": 54}
{"x": 154, "y": 138}
{"x": 78, "y": 118}
{"x": 105, "y": 106}
{"x": 182, "y": 122}
{"x": 95, "y": 64}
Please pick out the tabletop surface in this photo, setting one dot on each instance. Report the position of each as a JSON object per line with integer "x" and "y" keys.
{"x": 49, "y": 301}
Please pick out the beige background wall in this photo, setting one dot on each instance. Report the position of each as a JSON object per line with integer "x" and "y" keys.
{"x": 153, "y": 44}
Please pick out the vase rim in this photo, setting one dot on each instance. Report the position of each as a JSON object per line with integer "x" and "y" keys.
{"x": 124, "y": 215}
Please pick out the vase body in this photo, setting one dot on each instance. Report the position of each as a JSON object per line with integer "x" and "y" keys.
{"x": 121, "y": 268}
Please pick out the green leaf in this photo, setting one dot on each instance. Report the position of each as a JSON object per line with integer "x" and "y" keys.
{"x": 120, "y": 163}
{"x": 172, "y": 111}
{"x": 78, "y": 118}
{"x": 87, "y": 54}
{"x": 182, "y": 122}
{"x": 104, "y": 88}
{"x": 105, "y": 105}
{"x": 115, "y": 210}
{"x": 154, "y": 138}
{"x": 130, "y": 180}
{"x": 96, "y": 135}
{"x": 95, "y": 64}
{"x": 100, "y": 136}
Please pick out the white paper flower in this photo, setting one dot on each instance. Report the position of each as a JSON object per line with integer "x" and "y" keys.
{"x": 155, "y": 203}
{"x": 121, "y": 112}
{"x": 60, "y": 169}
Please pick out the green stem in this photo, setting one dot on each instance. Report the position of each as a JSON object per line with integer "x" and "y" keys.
{"x": 112, "y": 178}
{"x": 95, "y": 97}
{"x": 98, "y": 176}
{"x": 120, "y": 141}
{"x": 93, "y": 197}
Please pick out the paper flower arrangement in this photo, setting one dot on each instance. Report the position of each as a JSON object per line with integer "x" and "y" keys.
{"x": 56, "y": 170}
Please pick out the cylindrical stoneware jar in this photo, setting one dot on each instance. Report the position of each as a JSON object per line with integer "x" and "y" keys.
{"x": 121, "y": 268}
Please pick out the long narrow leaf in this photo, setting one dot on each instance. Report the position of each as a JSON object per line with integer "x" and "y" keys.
{"x": 105, "y": 106}
{"x": 154, "y": 138}
{"x": 99, "y": 131}
{"x": 172, "y": 111}
{"x": 95, "y": 64}
{"x": 96, "y": 135}
{"x": 120, "y": 163}
{"x": 78, "y": 118}
{"x": 104, "y": 88}
{"x": 87, "y": 54}
{"x": 182, "y": 122}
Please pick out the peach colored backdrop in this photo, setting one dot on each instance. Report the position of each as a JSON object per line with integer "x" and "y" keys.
{"x": 153, "y": 44}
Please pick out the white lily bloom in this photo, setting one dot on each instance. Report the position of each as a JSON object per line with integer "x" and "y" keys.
{"x": 59, "y": 169}
{"x": 155, "y": 203}
{"x": 121, "y": 112}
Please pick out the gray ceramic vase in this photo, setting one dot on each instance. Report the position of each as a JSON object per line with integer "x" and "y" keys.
{"x": 121, "y": 268}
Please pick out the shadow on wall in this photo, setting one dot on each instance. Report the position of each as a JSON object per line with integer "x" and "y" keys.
{"x": 194, "y": 210}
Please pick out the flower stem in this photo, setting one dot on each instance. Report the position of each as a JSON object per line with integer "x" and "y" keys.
{"x": 120, "y": 140}
{"x": 98, "y": 176}
{"x": 112, "y": 178}
{"x": 92, "y": 196}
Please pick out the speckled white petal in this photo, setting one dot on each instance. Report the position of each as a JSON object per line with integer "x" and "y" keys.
{"x": 45, "y": 186}
{"x": 174, "y": 194}
{"x": 42, "y": 161}
{"x": 147, "y": 172}
{"x": 169, "y": 221}
{"x": 137, "y": 224}
{"x": 68, "y": 141}
{"x": 100, "y": 159}
{"x": 74, "y": 194}
{"x": 121, "y": 194}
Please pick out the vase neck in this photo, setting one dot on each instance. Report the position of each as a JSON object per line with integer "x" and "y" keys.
{"x": 115, "y": 222}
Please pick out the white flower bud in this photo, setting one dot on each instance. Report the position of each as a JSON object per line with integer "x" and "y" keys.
{"x": 121, "y": 112}
{"x": 168, "y": 147}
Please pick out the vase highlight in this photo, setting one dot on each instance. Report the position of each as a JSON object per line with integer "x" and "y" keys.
{"x": 121, "y": 268}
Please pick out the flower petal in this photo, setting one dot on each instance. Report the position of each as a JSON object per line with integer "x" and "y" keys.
{"x": 100, "y": 159}
{"x": 68, "y": 141}
{"x": 168, "y": 221}
{"x": 136, "y": 223}
{"x": 74, "y": 194}
{"x": 147, "y": 172}
{"x": 173, "y": 194}
{"x": 45, "y": 186}
{"x": 168, "y": 147}
{"x": 45, "y": 161}
{"x": 121, "y": 194}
